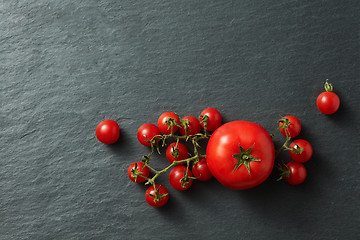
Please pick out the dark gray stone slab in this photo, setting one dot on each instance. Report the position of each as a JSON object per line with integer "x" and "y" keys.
{"x": 67, "y": 65}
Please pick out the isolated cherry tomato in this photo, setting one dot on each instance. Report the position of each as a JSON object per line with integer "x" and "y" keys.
{"x": 295, "y": 173}
{"x": 193, "y": 127}
{"x": 176, "y": 178}
{"x": 143, "y": 171}
{"x": 305, "y": 155}
{"x": 293, "y": 129}
{"x": 146, "y": 132}
{"x": 163, "y": 126}
{"x": 107, "y": 131}
{"x": 158, "y": 199}
{"x": 201, "y": 170}
{"x": 328, "y": 102}
{"x": 240, "y": 154}
{"x": 183, "y": 152}
{"x": 214, "y": 118}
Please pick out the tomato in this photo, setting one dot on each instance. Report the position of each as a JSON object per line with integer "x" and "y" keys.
{"x": 177, "y": 178}
{"x": 157, "y": 198}
{"x": 181, "y": 154}
{"x": 294, "y": 173}
{"x": 214, "y": 118}
{"x": 107, "y": 131}
{"x": 146, "y": 132}
{"x": 163, "y": 126}
{"x": 306, "y": 153}
{"x": 293, "y": 129}
{"x": 201, "y": 170}
{"x": 328, "y": 102}
{"x": 192, "y": 128}
{"x": 240, "y": 154}
{"x": 141, "y": 169}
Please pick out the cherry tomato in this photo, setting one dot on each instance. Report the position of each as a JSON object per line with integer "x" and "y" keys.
{"x": 295, "y": 173}
{"x": 201, "y": 170}
{"x": 214, "y": 118}
{"x": 182, "y": 153}
{"x": 163, "y": 126}
{"x": 157, "y": 198}
{"x": 192, "y": 128}
{"x": 240, "y": 154}
{"x": 328, "y": 102}
{"x": 107, "y": 131}
{"x": 305, "y": 155}
{"x": 293, "y": 129}
{"x": 142, "y": 170}
{"x": 176, "y": 178}
{"x": 146, "y": 132}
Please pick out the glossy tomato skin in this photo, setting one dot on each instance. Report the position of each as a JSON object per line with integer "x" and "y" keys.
{"x": 226, "y": 141}
{"x": 294, "y": 127}
{"x": 107, "y": 131}
{"x": 328, "y": 102}
{"x": 163, "y": 127}
{"x": 183, "y": 152}
{"x": 144, "y": 171}
{"x": 214, "y": 118}
{"x": 193, "y": 127}
{"x": 201, "y": 170}
{"x": 149, "y": 130}
{"x": 297, "y": 173}
{"x": 175, "y": 176}
{"x": 162, "y": 190}
{"x": 305, "y": 155}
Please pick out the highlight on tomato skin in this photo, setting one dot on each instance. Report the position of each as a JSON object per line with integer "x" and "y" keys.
{"x": 107, "y": 131}
{"x": 306, "y": 153}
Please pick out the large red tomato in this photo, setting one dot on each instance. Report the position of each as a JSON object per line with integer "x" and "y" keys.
{"x": 240, "y": 154}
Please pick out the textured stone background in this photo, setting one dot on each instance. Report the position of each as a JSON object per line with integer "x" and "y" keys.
{"x": 67, "y": 65}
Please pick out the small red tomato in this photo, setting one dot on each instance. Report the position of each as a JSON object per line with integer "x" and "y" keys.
{"x": 177, "y": 178}
{"x": 192, "y": 128}
{"x": 158, "y": 197}
{"x": 146, "y": 132}
{"x": 214, "y": 118}
{"x": 107, "y": 131}
{"x": 163, "y": 126}
{"x": 306, "y": 153}
{"x": 294, "y": 173}
{"x": 181, "y": 153}
{"x": 294, "y": 126}
{"x": 201, "y": 170}
{"x": 141, "y": 169}
{"x": 328, "y": 102}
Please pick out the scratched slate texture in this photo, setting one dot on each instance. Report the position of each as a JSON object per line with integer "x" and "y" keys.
{"x": 67, "y": 65}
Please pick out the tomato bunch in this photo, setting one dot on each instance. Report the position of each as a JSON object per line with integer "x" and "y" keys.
{"x": 299, "y": 150}
{"x": 186, "y": 166}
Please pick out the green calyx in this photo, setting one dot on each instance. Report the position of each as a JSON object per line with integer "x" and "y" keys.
{"x": 245, "y": 158}
{"x": 157, "y": 197}
{"x": 284, "y": 172}
{"x": 328, "y": 86}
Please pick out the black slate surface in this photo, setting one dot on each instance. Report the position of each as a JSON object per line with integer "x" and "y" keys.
{"x": 67, "y": 65}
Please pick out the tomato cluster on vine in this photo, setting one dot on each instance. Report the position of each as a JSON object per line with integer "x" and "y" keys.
{"x": 300, "y": 151}
{"x": 185, "y": 166}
